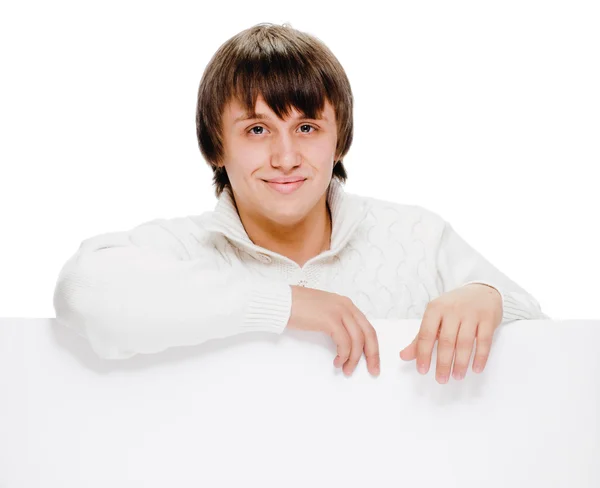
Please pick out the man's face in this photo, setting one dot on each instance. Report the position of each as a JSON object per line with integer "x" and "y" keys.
{"x": 256, "y": 150}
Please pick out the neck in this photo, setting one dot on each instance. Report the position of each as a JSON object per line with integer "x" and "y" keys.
{"x": 300, "y": 242}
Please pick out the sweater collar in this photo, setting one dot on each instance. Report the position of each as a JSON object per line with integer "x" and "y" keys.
{"x": 347, "y": 211}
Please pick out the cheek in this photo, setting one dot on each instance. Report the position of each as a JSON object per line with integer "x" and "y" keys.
{"x": 321, "y": 150}
{"x": 244, "y": 159}
{"x": 252, "y": 156}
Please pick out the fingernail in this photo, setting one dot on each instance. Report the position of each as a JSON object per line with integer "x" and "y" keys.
{"x": 443, "y": 379}
{"x": 422, "y": 368}
{"x": 477, "y": 368}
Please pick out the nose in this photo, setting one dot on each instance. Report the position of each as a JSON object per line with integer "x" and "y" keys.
{"x": 284, "y": 152}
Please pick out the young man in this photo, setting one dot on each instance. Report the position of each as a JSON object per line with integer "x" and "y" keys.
{"x": 285, "y": 245}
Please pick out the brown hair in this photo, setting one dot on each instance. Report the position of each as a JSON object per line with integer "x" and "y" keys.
{"x": 288, "y": 68}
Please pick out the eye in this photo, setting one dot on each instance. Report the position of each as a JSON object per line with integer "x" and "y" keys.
{"x": 256, "y": 127}
{"x": 307, "y": 125}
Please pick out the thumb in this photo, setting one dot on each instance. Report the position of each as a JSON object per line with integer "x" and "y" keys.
{"x": 409, "y": 352}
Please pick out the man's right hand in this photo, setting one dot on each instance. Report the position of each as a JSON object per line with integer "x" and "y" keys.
{"x": 338, "y": 317}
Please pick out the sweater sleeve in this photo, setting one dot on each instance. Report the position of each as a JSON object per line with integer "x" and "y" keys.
{"x": 459, "y": 264}
{"x": 140, "y": 291}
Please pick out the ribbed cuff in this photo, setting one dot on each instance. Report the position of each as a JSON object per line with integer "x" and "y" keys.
{"x": 516, "y": 306}
{"x": 269, "y": 308}
{"x": 516, "y": 310}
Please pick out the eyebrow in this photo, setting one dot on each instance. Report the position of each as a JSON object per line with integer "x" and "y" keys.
{"x": 261, "y": 116}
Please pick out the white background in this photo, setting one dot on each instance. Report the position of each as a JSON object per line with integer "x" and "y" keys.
{"x": 485, "y": 112}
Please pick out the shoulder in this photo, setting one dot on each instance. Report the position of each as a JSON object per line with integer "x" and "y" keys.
{"x": 176, "y": 237}
{"x": 411, "y": 217}
{"x": 184, "y": 233}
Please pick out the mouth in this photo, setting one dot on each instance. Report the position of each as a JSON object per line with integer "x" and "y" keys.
{"x": 285, "y": 188}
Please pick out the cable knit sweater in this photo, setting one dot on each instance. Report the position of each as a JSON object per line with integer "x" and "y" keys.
{"x": 186, "y": 280}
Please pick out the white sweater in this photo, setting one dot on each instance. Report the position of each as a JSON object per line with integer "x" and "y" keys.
{"x": 186, "y": 280}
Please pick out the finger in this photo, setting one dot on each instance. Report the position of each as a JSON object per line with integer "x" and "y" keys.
{"x": 485, "y": 334}
{"x": 358, "y": 342}
{"x": 426, "y": 338}
{"x": 464, "y": 348}
{"x": 446, "y": 346}
{"x": 409, "y": 352}
{"x": 371, "y": 342}
{"x": 341, "y": 338}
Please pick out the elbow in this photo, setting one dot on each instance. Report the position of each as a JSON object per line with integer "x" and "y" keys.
{"x": 76, "y": 308}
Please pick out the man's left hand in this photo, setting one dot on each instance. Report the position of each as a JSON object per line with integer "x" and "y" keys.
{"x": 456, "y": 318}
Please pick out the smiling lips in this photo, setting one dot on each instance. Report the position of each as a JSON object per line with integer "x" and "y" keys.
{"x": 286, "y": 188}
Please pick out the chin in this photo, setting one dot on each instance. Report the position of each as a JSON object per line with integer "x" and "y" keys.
{"x": 287, "y": 218}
